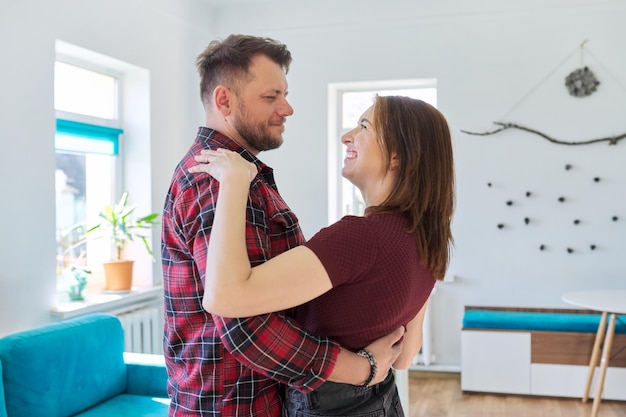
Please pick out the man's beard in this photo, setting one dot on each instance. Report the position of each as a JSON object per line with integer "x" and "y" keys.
{"x": 257, "y": 135}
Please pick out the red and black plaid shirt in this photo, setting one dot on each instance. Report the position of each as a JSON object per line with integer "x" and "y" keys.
{"x": 219, "y": 366}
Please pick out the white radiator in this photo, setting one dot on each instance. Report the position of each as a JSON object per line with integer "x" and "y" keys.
{"x": 142, "y": 333}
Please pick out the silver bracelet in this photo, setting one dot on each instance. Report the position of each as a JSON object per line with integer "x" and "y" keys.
{"x": 373, "y": 366}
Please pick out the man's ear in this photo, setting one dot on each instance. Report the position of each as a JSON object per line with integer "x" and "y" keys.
{"x": 222, "y": 99}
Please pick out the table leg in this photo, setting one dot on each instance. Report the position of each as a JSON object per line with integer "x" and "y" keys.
{"x": 606, "y": 354}
{"x": 595, "y": 354}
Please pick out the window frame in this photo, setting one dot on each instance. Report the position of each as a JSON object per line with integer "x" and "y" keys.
{"x": 134, "y": 167}
{"x": 92, "y": 128}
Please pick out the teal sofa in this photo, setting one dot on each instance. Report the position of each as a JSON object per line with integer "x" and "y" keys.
{"x": 78, "y": 367}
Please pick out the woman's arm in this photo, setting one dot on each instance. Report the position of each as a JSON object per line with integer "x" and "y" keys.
{"x": 232, "y": 287}
{"x": 412, "y": 340}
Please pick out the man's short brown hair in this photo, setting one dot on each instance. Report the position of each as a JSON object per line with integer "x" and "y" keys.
{"x": 227, "y": 61}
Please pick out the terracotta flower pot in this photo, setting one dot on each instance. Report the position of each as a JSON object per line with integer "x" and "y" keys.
{"x": 118, "y": 275}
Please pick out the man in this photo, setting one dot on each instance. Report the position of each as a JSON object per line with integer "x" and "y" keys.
{"x": 234, "y": 367}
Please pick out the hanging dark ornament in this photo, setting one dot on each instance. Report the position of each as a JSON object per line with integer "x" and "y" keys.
{"x": 526, "y": 220}
{"x": 570, "y": 250}
{"x": 542, "y": 247}
{"x": 581, "y": 82}
{"x": 593, "y": 247}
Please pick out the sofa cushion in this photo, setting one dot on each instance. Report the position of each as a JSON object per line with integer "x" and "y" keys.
{"x": 63, "y": 368}
{"x": 146, "y": 374}
{"x": 127, "y": 405}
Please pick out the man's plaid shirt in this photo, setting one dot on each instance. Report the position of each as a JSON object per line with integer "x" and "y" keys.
{"x": 219, "y": 366}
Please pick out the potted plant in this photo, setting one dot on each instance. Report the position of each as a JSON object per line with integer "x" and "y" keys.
{"x": 118, "y": 225}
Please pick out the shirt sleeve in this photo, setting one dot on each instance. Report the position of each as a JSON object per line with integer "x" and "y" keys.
{"x": 279, "y": 348}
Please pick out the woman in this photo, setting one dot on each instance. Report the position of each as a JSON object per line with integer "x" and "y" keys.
{"x": 361, "y": 277}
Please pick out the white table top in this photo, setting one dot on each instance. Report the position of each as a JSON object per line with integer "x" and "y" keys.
{"x": 611, "y": 301}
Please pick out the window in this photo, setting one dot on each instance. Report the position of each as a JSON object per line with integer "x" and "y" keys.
{"x": 347, "y": 102}
{"x": 87, "y": 151}
{"x": 103, "y": 148}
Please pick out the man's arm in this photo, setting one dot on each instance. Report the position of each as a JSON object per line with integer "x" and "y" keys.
{"x": 278, "y": 347}
{"x": 385, "y": 351}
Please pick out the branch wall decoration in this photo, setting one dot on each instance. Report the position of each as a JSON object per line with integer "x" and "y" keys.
{"x": 580, "y": 83}
{"x": 612, "y": 140}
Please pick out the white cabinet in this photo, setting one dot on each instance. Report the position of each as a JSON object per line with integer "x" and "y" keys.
{"x": 500, "y": 361}
{"x": 495, "y": 361}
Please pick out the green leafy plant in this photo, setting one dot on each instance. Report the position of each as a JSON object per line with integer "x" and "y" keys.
{"x": 70, "y": 246}
{"x": 80, "y": 275}
{"x": 118, "y": 225}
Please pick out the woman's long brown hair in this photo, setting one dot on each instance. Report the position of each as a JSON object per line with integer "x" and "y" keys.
{"x": 418, "y": 135}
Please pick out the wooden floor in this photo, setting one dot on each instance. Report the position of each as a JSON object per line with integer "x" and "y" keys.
{"x": 439, "y": 395}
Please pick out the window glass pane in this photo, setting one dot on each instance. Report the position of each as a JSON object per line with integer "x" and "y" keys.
{"x": 354, "y": 103}
{"x": 83, "y": 185}
{"x": 82, "y": 91}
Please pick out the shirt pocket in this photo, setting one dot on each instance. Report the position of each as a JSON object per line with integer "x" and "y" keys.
{"x": 281, "y": 224}
{"x": 285, "y": 219}
{"x": 284, "y": 230}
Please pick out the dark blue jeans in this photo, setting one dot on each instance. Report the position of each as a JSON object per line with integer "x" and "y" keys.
{"x": 333, "y": 399}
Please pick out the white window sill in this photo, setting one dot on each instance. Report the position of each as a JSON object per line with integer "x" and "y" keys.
{"x": 103, "y": 302}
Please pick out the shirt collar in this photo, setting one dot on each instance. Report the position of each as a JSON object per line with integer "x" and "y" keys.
{"x": 212, "y": 139}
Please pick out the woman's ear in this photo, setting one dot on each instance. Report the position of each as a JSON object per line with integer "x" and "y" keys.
{"x": 395, "y": 162}
{"x": 222, "y": 99}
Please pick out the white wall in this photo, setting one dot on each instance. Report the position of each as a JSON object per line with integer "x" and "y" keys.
{"x": 486, "y": 57}
{"x": 164, "y": 38}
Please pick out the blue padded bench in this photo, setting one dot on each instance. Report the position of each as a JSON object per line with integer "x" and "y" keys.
{"x": 533, "y": 351}
{"x": 538, "y": 321}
